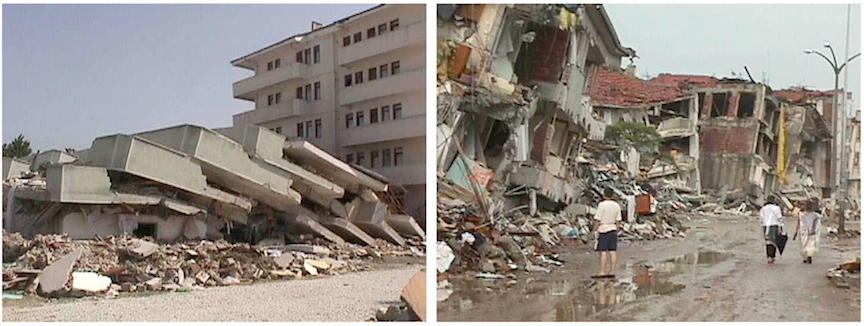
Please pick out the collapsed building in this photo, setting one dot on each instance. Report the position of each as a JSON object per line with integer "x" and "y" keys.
{"x": 189, "y": 182}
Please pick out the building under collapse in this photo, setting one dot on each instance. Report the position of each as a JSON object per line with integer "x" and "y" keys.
{"x": 190, "y": 182}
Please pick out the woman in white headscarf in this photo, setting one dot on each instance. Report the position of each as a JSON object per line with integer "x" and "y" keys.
{"x": 809, "y": 229}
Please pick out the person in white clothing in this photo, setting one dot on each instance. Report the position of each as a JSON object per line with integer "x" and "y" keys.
{"x": 606, "y": 222}
{"x": 772, "y": 226}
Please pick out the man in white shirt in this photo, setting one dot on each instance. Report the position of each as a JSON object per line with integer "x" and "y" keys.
{"x": 606, "y": 222}
{"x": 772, "y": 226}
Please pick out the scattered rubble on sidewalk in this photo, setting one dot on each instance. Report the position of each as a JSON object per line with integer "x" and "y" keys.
{"x": 412, "y": 304}
{"x": 60, "y": 266}
{"x": 846, "y": 275}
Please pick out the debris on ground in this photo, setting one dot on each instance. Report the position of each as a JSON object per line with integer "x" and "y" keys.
{"x": 846, "y": 275}
{"x": 412, "y": 304}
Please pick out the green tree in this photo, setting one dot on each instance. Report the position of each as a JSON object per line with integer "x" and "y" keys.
{"x": 19, "y": 147}
{"x": 628, "y": 133}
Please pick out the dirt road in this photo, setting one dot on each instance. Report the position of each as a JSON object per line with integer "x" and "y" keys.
{"x": 348, "y": 297}
{"x": 717, "y": 273}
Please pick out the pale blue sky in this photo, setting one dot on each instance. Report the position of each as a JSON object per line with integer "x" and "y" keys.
{"x": 72, "y": 73}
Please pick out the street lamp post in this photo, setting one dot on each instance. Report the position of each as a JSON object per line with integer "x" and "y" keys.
{"x": 839, "y": 125}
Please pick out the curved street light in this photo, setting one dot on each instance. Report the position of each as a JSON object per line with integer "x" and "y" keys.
{"x": 835, "y": 66}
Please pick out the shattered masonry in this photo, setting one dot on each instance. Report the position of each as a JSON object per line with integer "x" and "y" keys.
{"x": 526, "y": 94}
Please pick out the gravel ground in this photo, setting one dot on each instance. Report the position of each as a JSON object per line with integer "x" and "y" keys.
{"x": 349, "y": 297}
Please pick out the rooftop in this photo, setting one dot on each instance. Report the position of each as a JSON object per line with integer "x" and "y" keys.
{"x": 618, "y": 89}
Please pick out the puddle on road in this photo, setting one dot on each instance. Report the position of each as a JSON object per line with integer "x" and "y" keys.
{"x": 533, "y": 298}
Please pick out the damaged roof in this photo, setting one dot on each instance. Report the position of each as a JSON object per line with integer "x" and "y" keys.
{"x": 801, "y": 95}
{"x": 684, "y": 80}
{"x": 618, "y": 89}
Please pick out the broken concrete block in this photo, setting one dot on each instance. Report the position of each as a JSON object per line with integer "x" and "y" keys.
{"x": 56, "y": 275}
{"x": 372, "y": 212}
{"x": 414, "y": 294}
{"x": 142, "y": 248}
{"x": 154, "y": 284}
{"x": 334, "y": 264}
{"x": 382, "y": 231}
{"x": 318, "y": 264}
{"x": 347, "y": 230}
{"x": 405, "y": 225}
{"x": 309, "y": 225}
{"x": 309, "y": 249}
{"x": 90, "y": 282}
{"x": 128, "y": 287}
{"x": 284, "y": 260}
{"x": 271, "y": 242}
{"x": 195, "y": 229}
{"x": 311, "y": 270}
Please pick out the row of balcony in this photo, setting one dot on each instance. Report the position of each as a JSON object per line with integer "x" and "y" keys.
{"x": 402, "y": 82}
{"x": 408, "y": 127}
{"x": 286, "y": 109}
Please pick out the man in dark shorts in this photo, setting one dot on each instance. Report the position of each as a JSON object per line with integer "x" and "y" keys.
{"x": 606, "y": 222}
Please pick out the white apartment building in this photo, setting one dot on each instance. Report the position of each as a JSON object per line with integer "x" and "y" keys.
{"x": 355, "y": 88}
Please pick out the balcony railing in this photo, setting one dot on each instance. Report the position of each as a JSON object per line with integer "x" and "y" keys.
{"x": 246, "y": 88}
{"x": 287, "y": 109}
{"x": 393, "y": 40}
{"x": 409, "y": 127}
{"x": 405, "y": 81}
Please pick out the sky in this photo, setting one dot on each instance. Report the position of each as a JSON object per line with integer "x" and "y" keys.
{"x": 721, "y": 39}
{"x": 72, "y": 73}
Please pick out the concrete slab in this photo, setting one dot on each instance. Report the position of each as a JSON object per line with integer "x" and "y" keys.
{"x": 311, "y": 226}
{"x": 414, "y": 294}
{"x": 405, "y": 225}
{"x": 347, "y": 230}
{"x": 371, "y": 212}
{"x": 342, "y": 174}
{"x": 225, "y": 162}
{"x": 56, "y": 275}
{"x": 13, "y": 168}
{"x": 309, "y": 249}
{"x": 381, "y": 231}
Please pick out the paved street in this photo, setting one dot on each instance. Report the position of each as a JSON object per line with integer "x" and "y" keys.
{"x": 717, "y": 273}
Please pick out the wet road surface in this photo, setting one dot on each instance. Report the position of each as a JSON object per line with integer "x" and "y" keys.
{"x": 718, "y": 273}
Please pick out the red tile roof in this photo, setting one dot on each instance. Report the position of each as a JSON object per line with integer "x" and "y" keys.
{"x": 683, "y": 80}
{"x": 801, "y": 95}
{"x": 616, "y": 89}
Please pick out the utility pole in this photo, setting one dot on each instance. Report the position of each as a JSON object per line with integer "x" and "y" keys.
{"x": 844, "y": 174}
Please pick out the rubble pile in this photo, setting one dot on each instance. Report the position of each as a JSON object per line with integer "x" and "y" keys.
{"x": 846, "y": 275}
{"x": 137, "y": 264}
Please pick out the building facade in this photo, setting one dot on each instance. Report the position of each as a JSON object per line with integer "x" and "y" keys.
{"x": 355, "y": 88}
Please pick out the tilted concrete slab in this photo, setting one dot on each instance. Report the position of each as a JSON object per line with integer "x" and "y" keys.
{"x": 55, "y": 277}
{"x": 152, "y": 161}
{"x": 91, "y": 185}
{"x": 370, "y": 212}
{"x": 13, "y": 168}
{"x": 405, "y": 225}
{"x": 347, "y": 230}
{"x": 224, "y": 162}
{"x": 309, "y": 225}
{"x": 342, "y": 174}
{"x": 381, "y": 231}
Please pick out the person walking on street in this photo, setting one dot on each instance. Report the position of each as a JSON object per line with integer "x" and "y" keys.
{"x": 809, "y": 229}
{"x": 606, "y": 221}
{"x": 772, "y": 226}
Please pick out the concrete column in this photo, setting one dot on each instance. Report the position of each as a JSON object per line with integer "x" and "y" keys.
{"x": 706, "y": 105}
{"x": 733, "y": 105}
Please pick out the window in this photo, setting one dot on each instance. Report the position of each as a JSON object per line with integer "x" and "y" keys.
{"x": 347, "y": 80}
{"x": 316, "y": 53}
{"x": 394, "y": 67}
{"x": 397, "y": 111}
{"x": 358, "y": 77}
{"x": 306, "y": 56}
{"x": 373, "y": 156}
{"x": 279, "y": 130}
{"x": 278, "y": 97}
{"x": 382, "y": 71}
{"x": 308, "y": 128}
{"x": 299, "y": 56}
{"x": 349, "y": 119}
{"x": 270, "y": 66}
{"x": 349, "y": 158}
{"x": 385, "y": 157}
{"x": 317, "y": 128}
{"x": 277, "y": 63}
{"x": 370, "y": 33}
{"x": 394, "y": 24}
{"x": 382, "y": 28}
{"x": 308, "y": 93}
{"x": 299, "y": 93}
{"x": 360, "y": 158}
{"x": 270, "y": 100}
{"x": 357, "y": 38}
{"x": 346, "y": 41}
{"x": 385, "y": 113}
{"x": 300, "y": 130}
{"x": 317, "y": 91}
{"x": 397, "y": 156}
{"x": 360, "y": 120}
{"x": 373, "y": 73}
{"x": 373, "y": 116}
